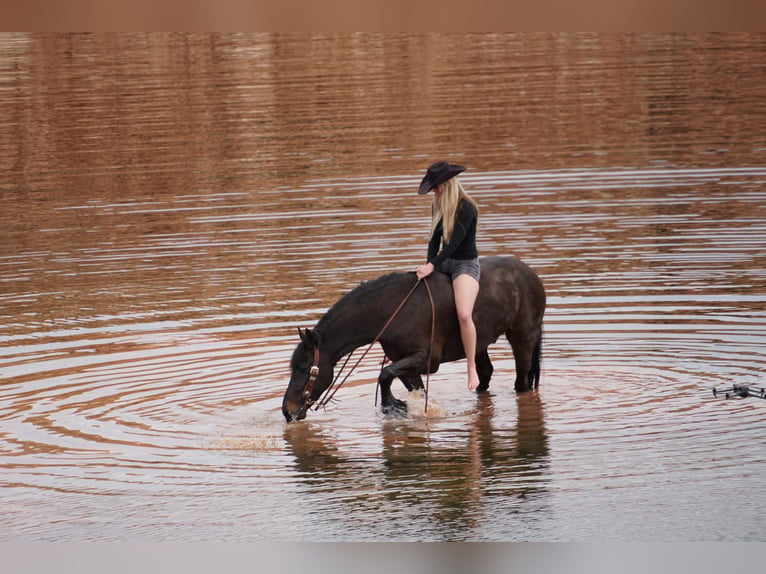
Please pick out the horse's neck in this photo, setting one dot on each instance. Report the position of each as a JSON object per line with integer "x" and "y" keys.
{"x": 349, "y": 327}
{"x": 342, "y": 336}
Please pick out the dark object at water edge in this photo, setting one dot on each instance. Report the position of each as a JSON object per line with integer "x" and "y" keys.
{"x": 741, "y": 391}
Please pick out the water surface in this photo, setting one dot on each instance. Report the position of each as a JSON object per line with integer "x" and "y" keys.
{"x": 173, "y": 207}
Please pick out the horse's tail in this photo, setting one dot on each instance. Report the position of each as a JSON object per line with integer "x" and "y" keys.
{"x": 537, "y": 356}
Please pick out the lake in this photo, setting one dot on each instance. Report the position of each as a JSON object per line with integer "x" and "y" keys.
{"x": 173, "y": 207}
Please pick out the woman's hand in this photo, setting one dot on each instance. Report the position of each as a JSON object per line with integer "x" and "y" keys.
{"x": 424, "y": 270}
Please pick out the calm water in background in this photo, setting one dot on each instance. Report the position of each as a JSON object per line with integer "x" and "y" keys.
{"x": 172, "y": 207}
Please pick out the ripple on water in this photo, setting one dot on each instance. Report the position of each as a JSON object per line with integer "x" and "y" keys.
{"x": 155, "y": 264}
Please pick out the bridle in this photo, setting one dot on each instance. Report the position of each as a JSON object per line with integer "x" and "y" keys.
{"x": 332, "y": 389}
{"x": 313, "y": 374}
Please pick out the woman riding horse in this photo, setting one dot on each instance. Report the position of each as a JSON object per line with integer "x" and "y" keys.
{"x": 454, "y": 216}
{"x": 428, "y": 331}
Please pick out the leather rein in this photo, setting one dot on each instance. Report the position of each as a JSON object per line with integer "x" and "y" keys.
{"x": 333, "y": 388}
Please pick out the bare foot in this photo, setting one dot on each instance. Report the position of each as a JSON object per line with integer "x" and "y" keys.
{"x": 473, "y": 381}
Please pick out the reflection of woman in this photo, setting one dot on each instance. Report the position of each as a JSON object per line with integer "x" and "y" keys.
{"x": 453, "y": 225}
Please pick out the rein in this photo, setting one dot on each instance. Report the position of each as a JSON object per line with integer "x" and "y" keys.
{"x": 313, "y": 374}
{"x": 332, "y": 389}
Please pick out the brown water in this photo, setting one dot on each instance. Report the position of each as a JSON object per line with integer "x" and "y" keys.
{"x": 173, "y": 207}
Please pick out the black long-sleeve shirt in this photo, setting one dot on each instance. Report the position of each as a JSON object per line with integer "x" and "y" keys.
{"x": 462, "y": 244}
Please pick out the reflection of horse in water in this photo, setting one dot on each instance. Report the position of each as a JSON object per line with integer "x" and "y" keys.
{"x": 458, "y": 477}
{"x": 489, "y": 467}
{"x": 511, "y": 301}
{"x": 314, "y": 451}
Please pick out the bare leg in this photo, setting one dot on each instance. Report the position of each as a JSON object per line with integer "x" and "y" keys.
{"x": 466, "y": 290}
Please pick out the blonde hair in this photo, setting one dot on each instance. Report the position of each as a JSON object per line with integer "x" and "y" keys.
{"x": 445, "y": 206}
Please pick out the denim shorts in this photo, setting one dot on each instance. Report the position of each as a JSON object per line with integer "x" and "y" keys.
{"x": 455, "y": 267}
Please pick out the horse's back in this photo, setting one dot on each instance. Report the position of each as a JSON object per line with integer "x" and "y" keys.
{"x": 510, "y": 291}
{"x": 510, "y": 272}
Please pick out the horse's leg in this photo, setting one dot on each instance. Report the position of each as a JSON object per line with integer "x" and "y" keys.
{"x": 406, "y": 369}
{"x": 524, "y": 346}
{"x": 389, "y": 404}
{"x": 411, "y": 382}
{"x": 485, "y": 368}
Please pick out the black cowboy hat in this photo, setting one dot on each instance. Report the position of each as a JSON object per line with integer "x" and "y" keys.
{"x": 437, "y": 173}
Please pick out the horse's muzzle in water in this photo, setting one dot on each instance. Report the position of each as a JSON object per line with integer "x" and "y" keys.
{"x": 293, "y": 412}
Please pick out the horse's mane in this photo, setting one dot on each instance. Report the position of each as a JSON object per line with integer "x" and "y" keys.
{"x": 361, "y": 291}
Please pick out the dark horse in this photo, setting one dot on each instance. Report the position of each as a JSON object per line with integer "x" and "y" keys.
{"x": 511, "y": 300}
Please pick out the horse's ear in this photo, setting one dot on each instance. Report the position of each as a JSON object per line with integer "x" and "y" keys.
{"x": 301, "y": 335}
{"x": 312, "y": 338}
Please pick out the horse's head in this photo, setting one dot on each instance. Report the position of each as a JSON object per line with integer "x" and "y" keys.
{"x": 310, "y": 376}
